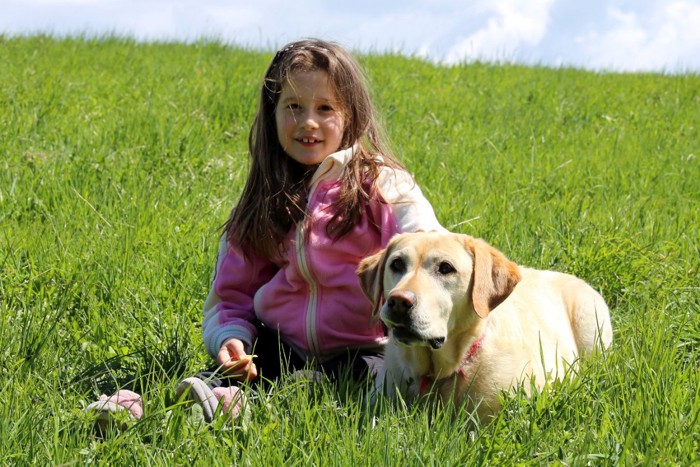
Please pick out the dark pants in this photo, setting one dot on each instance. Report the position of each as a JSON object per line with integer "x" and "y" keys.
{"x": 275, "y": 357}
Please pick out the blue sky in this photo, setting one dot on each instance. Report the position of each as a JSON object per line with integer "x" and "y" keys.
{"x": 616, "y": 35}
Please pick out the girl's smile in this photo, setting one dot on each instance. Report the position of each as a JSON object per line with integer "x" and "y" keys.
{"x": 309, "y": 119}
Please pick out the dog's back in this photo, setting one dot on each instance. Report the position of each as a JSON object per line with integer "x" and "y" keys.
{"x": 563, "y": 306}
{"x": 548, "y": 322}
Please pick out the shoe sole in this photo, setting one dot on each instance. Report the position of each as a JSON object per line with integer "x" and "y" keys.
{"x": 196, "y": 391}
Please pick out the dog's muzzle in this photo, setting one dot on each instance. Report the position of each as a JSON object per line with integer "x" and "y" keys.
{"x": 398, "y": 316}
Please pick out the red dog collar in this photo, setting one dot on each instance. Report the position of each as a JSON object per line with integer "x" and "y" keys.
{"x": 427, "y": 381}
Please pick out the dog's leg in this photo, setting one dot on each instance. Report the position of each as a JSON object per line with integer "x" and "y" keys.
{"x": 589, "y": 315}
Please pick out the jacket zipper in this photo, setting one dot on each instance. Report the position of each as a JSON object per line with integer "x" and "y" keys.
{"x": 311, "y": 309}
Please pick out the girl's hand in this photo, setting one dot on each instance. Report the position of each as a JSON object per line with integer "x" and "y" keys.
{"x": 235, "y": 362}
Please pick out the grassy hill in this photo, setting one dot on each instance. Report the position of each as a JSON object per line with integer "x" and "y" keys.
{"x": 119, "y": 162}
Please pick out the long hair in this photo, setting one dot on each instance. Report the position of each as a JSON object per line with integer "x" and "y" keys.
{"x": 274, "y": 196}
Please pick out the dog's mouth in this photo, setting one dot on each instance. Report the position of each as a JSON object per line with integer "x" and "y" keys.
{"x": 408, "y": 337}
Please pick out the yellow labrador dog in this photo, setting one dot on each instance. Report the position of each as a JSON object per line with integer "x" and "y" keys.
{"x": 466, "y": 322}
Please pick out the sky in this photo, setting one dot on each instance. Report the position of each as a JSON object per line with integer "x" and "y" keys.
{"x": 600, "y": 35}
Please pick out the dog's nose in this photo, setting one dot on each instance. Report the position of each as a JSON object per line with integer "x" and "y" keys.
{"x": 401, "y": 301}
{"x": 436, "y": 343}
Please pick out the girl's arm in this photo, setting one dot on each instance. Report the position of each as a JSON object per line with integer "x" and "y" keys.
{"x": 409, "y": 208}
{"x": 228, "y": 309}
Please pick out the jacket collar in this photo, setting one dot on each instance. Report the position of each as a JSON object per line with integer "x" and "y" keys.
{"x": 333, "y": 165}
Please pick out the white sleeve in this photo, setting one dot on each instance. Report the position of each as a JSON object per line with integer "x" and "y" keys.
{"x": 413, "y": 212}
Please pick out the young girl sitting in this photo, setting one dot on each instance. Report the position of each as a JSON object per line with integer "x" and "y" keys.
{"x": 323, "y": 192}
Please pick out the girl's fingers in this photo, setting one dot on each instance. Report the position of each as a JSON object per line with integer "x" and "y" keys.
{"x": 243, "y": 368}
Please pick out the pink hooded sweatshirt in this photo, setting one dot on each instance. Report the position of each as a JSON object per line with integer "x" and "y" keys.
{"x": 312, "y": 296}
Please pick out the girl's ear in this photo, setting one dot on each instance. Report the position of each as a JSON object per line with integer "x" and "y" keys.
{"x": 494, "y": 276}
{"x": 371, "y": 274}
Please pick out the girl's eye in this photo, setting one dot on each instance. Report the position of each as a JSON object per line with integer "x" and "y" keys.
{"x": 326, "y": 108}
{"x": 445, "y": 268}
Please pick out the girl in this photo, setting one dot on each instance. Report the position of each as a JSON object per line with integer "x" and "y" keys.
{"x": 323, "y": 192}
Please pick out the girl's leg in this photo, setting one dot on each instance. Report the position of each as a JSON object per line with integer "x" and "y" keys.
{"x": 358, "y": 365}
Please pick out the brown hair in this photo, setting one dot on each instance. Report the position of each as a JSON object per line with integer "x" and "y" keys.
{"x": 274, "y": 196}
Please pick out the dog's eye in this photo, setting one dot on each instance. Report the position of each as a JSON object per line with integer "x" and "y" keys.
{"x": 397, "y": 265}
{"x": 445, "y": 268}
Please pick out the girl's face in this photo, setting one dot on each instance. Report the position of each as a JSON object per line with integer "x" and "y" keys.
{"x": 309, "y": 118}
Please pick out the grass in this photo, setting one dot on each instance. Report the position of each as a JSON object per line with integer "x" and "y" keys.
{"x": 119, "y": 161}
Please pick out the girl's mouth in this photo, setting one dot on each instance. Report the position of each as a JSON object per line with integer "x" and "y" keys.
{"x": 308, "y": 140}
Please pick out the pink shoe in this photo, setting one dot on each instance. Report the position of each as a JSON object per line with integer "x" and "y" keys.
{"x": 196, "y": 391}
{"x": 232, "y": 399}
{"x": 122, "y": 401}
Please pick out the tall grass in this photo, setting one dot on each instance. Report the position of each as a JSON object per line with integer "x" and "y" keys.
{"x": 119, "y": 161}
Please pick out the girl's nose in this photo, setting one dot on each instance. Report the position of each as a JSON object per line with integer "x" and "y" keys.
{"x": 309, "y": 121}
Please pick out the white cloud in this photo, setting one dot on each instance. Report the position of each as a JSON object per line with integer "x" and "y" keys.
{"x": 667, "y": 38}
{"x": 624, "y": 35}
{"x": 510, "y": 25}
{"x": 60, "y": 3}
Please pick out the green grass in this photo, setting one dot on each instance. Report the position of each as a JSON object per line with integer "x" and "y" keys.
{"x": 119, "y": 161}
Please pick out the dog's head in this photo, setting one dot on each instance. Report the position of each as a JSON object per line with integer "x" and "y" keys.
{"x": 424, "y": 285}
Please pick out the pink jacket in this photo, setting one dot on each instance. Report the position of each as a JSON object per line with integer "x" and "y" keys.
{"x": 312, "y": 297}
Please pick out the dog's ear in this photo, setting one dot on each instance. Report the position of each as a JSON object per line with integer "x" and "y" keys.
{"x": 494, "y": 278}
{"x": 371, "y": 274}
